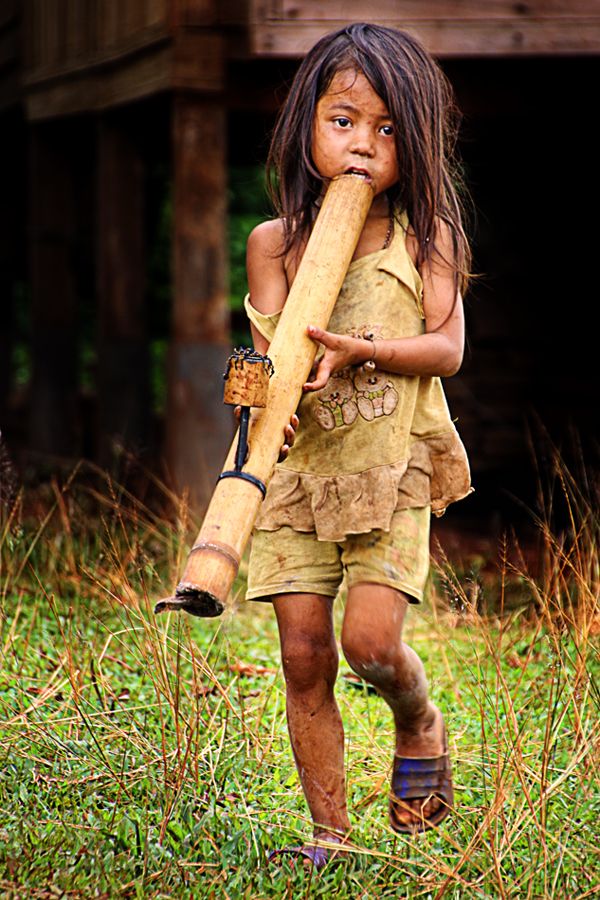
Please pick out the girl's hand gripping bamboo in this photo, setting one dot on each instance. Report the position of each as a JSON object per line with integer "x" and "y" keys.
{"x": 215, "y": 557}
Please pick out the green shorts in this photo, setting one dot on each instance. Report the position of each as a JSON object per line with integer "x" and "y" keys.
{"x": 296, "y": 562}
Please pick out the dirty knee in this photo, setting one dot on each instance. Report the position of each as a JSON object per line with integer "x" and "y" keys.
{"x": 309, "y": 663}
{"x": 376, "y": 664}
{"x": 376, "y": 672}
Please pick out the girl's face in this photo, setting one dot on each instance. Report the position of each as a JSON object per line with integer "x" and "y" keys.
{"x": 353, "y": 133}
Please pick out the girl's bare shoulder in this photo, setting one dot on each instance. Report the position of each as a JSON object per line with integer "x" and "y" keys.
{"x": 443, "y": 248}
{"x": 267, "y": 279}
{"x": 266, "y": 251}
{"x": 266, "y": 239}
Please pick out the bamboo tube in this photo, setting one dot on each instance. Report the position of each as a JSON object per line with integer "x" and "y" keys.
{"x": 215, "y": 557}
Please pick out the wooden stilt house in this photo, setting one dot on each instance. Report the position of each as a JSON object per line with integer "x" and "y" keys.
{"x": 95, "y": 93}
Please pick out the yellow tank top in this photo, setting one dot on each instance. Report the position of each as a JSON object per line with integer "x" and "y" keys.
{"x": 368, "y": 442}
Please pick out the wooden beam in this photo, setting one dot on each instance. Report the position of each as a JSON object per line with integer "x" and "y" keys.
{"x": 449, "y": 38}
{"x": 198, "y": 61}
{"x": 123, "y": 378}
{"x": 192, "y": 60}
{"x": 199, "y": 427}
{"x": 93, "y": 90}
{"x": 451, "y": 28}
{"x": 433, "y": 10}
{"x": 46, "y": 63}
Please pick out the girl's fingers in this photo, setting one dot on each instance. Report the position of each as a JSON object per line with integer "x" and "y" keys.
{"x": 321, "y": 377}
{"x": 341, "y": 351}
{"x": 324, "y": 337}
{"x": 289, "y": 436}
{"x": 320, "y": 381}
{"x": 315, "y": 333}
{"x": 290, "y": 430}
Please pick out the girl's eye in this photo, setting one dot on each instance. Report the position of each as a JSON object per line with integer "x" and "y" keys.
{"x": 342, "y": 121}
{"x": 388, "y": 130}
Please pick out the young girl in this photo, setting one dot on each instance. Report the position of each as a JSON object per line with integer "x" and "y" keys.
{"x": 375, "y": 450}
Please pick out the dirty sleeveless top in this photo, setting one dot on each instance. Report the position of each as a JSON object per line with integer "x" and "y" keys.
{"x": 369, "y": 443}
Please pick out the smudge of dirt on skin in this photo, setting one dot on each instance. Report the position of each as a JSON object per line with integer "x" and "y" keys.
{"x": 378, "y": 673}
{"x": 328, "y": 796}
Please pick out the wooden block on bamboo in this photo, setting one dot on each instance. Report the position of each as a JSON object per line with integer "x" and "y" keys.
{"x": 247, "y": 379}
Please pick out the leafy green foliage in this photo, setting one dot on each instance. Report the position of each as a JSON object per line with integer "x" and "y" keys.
{"x": 148, "y": 757}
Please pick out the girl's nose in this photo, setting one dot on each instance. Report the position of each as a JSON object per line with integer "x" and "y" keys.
{"x": 362, "y": 143}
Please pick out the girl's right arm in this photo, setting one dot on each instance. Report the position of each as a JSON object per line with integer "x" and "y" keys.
{"x": 268, "y": 285}
{"x": 267, "y": 279}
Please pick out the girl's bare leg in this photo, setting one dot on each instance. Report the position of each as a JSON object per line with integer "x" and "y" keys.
{"x": 310, "y": 663}
{"x": 373, "y": 646}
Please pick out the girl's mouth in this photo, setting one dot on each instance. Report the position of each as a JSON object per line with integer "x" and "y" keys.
{"x": 359, "y": 173}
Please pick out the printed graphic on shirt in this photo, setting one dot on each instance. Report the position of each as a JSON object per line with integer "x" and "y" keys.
{"x": 375, "y": 394}
{"x": 337, "y": 406}
{"x": 348, "y": 395}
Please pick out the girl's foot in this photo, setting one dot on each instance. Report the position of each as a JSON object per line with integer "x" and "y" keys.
{"x": 422, "y": 780}
{"x": 326, "y": 848}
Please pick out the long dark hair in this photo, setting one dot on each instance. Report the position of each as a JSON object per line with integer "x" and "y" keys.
{"x": 421, "y": 105}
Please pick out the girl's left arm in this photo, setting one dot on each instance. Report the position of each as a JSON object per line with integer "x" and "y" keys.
{"x": 437, "y": 352}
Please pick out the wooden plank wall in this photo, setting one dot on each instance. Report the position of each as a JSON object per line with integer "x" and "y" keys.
{"x": 63, "y": 35}
{"x": 66, "y": 35}
{"x": 90, "y": 55}
{"x": 449, "y": 28}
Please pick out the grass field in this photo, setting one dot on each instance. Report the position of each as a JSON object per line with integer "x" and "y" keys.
{"x": 145, "y": 757}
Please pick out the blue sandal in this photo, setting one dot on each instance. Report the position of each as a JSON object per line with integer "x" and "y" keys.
{"x": 420, "y": 779}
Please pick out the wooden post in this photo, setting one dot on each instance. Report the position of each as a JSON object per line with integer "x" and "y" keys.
{"x": 198, "y": 428}
{"x": 215, "y": 557}
{"x": 123, "y": 377}
{"x": 52, "y": 230}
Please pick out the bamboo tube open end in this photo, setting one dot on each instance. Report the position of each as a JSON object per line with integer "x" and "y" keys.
{"x": 193, "y": 600}
{"x": 208, "y": 577}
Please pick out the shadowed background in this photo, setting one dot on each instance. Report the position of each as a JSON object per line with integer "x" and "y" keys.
{"x": 130, "y": 175}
